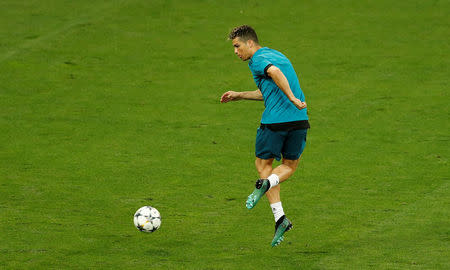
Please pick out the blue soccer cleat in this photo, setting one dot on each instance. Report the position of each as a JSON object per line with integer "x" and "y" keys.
{"x": 283, "y": 225}
{"x": 261, "y": 187}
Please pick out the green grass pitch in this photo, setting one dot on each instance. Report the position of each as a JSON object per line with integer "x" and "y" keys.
{"x": 107, "y": 106}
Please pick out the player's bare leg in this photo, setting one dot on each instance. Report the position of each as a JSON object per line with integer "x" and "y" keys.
{"x": 263, "y": 186}
{"x": 264, "y": 167}
{"x": 283, "y": 171}
{"x": 282, "y": 224}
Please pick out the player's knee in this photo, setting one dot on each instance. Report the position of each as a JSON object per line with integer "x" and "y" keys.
{"x": 291, "y": 164}
{"x": 263, "y": 167}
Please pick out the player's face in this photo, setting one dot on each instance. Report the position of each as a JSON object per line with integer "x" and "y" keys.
{"x": 242, "y": 49}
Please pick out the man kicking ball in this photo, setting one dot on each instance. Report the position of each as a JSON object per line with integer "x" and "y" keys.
{"x": 284, "y": 122}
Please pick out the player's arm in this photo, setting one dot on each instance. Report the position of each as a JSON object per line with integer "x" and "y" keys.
{"x": 248, "y": 95}
{"x": 282, "y": 82}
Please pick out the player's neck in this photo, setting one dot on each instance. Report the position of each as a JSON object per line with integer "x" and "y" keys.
{"x": 255, "y": 49}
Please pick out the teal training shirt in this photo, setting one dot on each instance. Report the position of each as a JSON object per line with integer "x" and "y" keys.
{"x": 279, "y": 108}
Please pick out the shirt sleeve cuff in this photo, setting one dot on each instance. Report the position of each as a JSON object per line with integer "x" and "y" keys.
{"x": 266, "y": 68}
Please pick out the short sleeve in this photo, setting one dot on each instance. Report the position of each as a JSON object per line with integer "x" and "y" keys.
{"x": 259, "y": 66}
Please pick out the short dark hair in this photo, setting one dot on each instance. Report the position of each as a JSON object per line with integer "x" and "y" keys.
{"x": 245, "y": 32}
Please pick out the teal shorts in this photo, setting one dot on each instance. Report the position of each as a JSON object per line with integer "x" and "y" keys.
{"x": 276, "y": 144}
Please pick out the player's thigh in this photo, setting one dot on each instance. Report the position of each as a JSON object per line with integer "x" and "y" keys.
{"x": 294, "y": 144}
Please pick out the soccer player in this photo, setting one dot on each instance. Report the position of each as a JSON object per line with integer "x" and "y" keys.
{"x": 284, "y": 123}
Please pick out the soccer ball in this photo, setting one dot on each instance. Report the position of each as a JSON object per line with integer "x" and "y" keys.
{"x": 147, "y": 219}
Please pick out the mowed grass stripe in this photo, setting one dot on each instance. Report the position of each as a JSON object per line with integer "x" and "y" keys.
{"x": 400, "y": 240}
{"x": 32, "y": 41}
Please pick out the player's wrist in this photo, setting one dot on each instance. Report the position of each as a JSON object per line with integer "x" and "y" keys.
{"x": 239, "y": 95}
{"x": 293, "y": 99}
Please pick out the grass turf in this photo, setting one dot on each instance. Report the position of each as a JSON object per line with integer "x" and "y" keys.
{"x": 111, "y": 105}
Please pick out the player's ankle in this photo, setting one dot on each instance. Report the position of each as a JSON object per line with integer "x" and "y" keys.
{"x": 274, "y": 180}
{"x": 260, "y": 183}
{"x": 277, "y": 210}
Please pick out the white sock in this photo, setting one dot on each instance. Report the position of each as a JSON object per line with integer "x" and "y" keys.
{"x": 273, "y": 180}
{"x": 277, "y": 210}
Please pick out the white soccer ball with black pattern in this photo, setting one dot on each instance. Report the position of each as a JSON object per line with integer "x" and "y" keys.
{"x": 147, "y": 219}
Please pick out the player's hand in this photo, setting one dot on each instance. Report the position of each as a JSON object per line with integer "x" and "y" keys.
{"x": 299, "y": 104}
{"x": 229, "y": 96}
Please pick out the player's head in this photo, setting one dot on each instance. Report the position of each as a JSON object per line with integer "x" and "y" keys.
{"x": 245, "y": 41}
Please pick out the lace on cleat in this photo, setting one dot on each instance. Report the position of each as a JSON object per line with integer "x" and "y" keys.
{"x": 283, "y": 225}
{"x": 261, "y": 187}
